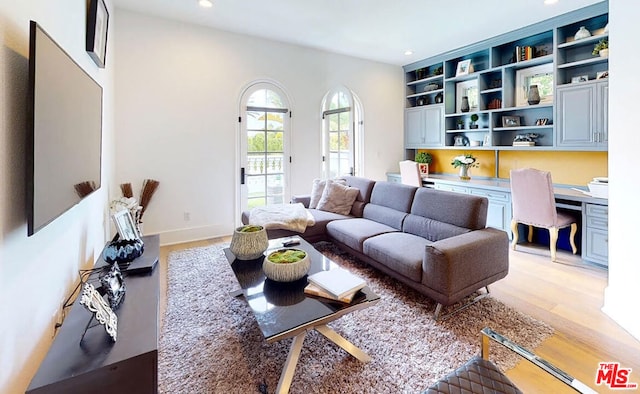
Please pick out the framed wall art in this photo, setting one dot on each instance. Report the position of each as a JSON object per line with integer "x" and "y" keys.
{"x": 97, "y": 28}
{"x": 510, "y": 121}
{"x": 470, "y": 90}
{"x": 463, "y": 67}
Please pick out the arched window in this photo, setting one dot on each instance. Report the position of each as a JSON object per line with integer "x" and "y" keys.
{"x": 342, "y": 134}
{"x": 264, "y": 119}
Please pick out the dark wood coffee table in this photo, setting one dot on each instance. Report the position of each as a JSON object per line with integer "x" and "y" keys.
{"x": 283, "y": 310}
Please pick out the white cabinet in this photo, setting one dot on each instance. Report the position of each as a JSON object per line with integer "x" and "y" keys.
{"x": 423, "y": 126}
{"x": 499, "y": 209}
{"x": 595, "y": 234}
{"x": 582, "y": 114}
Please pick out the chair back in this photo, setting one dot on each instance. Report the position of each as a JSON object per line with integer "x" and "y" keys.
{"x": 410, "y": 173}
{"x": 532, "y": 198}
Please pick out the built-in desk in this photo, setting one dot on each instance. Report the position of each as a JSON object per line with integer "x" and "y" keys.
{"x": 594, "y": 211}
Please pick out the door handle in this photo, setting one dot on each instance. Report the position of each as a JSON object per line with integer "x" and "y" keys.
{"x": 242, "y": 175}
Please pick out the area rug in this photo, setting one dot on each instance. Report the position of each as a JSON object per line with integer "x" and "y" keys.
{"x": 210, "y": 341}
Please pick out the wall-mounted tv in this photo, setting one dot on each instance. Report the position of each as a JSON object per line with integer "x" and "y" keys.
{"x": 64, "y": 136}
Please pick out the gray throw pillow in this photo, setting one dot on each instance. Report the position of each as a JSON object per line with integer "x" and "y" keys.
{"x": 318, "y": 189}
{"x": 337, "y": 198}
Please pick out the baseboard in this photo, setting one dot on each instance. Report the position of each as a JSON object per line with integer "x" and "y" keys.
{"x": 193, "y": 234}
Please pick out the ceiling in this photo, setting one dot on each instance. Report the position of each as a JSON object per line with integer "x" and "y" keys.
{"x": 371, "y": 29}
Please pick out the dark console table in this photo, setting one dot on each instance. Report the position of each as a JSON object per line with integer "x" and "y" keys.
{"x": 98, "y": 365}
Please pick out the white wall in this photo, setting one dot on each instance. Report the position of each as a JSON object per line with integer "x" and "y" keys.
{"x": 177, "y": 93}
{"x": 622, "y": 296}
{"x": 38, "y": 272}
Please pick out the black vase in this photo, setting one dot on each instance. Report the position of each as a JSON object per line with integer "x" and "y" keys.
{"x": 464, "y": 106}
{"x": 123, "y": 251}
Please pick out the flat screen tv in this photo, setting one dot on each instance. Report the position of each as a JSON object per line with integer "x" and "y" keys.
{"x": 64, "y": 136}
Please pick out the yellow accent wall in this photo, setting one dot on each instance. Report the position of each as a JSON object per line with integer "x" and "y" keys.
{"x": 571, "y": 168}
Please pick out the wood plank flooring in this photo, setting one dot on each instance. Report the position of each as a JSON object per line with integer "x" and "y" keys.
{"x": 567, "y": 295}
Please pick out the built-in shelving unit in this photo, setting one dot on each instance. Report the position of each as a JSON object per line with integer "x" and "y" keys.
{"x": 494, "y": 76}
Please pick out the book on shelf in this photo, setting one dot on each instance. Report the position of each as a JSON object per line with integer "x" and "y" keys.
{"x": 337, "y": 282}
{"x": 316, "y": 291}
{"x": 524, "y": 143}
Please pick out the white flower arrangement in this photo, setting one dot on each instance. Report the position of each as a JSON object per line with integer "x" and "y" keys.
{"x": 466, "y": 160}
{"x": 129, "y": 203}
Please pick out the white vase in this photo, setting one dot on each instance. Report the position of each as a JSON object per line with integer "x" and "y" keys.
{"x": 604, "y": 52}
{"x": 582, "y": 33}
{"x": 464, "y": 172}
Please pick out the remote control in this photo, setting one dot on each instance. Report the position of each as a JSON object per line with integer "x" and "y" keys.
{"x": 291, "y": 242}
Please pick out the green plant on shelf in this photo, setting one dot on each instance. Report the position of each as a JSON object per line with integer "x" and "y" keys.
{"x": 474, "y": 119}
{"x": 602, "y": 44}
{"x": 423, "y": 157}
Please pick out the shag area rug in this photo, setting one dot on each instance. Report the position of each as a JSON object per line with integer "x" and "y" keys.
{"x": 211, "y": 343}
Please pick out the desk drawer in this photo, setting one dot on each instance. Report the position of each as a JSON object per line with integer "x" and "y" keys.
{"x": 601, "y": 211}
{"x": 596, "y": 222}
{"x": 491, "y": 194}
{"x": 451, "y": 188}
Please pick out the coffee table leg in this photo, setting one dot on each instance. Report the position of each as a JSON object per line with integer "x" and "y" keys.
{"x": 343, "y": 343}
{"x": 290, "y": 365}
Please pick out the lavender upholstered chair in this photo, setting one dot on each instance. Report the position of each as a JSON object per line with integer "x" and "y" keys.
{"x": 410, "y": 173}
{"x": 534, "y": 205}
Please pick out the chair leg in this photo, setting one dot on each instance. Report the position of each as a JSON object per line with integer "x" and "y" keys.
{"x": 553, "y": 240}
{"x": 514, "y": 230}
{"x": 572, "y": 238}
{"x": 530, "y": 234}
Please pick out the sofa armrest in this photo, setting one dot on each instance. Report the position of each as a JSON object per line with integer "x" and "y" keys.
{"x": 455, "y": 265}
{"x": 305, "y": 199}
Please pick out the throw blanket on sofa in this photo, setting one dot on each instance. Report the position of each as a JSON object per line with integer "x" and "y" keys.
{"x": 294, "y": 217}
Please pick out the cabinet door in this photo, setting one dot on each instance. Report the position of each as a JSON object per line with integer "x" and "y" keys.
{"x": 575, "y": 116}
{"x": 433, "y": 116}
{"x": 414, "y": 128}
{"x": 597, "y": 246}
{"x": 602, "y": 113}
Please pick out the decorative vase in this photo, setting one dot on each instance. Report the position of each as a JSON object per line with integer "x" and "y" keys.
{"x": 582, "y": 33}
{"x": 464, "y": 105}
{"x": 123, "y": 251}
{"x": 464, "y": 172}
{"x": 438, "y": 98}
{"x": 424, "y": 168}
{"x": 534, "y": 95}
{"x": 249, "y": 245}
{"x": 285, "y": 271}
{"x": 604, "y": 52}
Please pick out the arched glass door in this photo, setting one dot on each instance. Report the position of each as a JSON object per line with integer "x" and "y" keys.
{"x": 264, "y": 153}
{"x": 341, "y": 128}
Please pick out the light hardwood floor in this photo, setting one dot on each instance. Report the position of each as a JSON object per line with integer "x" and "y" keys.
{"x": 567, "y": 295}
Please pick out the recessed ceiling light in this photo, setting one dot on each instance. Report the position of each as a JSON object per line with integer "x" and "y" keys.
{"x": 205, "y": 3}
{"x": 549, "y": 2}
{"x": 408, "y": 52}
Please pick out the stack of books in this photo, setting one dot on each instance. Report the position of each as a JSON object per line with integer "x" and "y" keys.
{"x": 524, "y": 53}
{"x": 336, "y": 285}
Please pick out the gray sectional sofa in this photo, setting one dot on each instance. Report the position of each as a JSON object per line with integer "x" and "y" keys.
{"x": 435, "y": 241}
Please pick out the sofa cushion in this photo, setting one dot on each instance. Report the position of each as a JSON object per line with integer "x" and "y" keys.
{"x": 317, "y": 189}
{"x": 462, "y": 210}
{"x": 390, "y": 203}
{"x": 430, "y": 229}
{"x": 353, "y": 232}
{"x": 400, "y": 252}
{"x": 337, "y": 198}
{"x": 364, "y": 186}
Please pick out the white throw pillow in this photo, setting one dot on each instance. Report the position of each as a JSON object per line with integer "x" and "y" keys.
{"x": 337, "y": 198}
{"x": 318, "y": 189}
